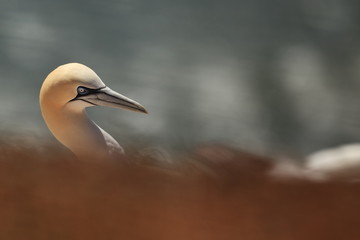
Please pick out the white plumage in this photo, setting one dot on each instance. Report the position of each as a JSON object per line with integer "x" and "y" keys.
{"x": 65, "y": 94}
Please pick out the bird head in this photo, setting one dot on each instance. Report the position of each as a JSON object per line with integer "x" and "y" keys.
{"x": 75, "y": 86}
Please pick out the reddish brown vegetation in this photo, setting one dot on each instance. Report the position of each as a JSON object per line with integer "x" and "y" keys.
{"x": 217, "y": 193}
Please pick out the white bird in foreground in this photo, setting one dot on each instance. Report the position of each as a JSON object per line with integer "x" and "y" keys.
{"x": 343, "y": 159}
{"x": 65, "y": 94}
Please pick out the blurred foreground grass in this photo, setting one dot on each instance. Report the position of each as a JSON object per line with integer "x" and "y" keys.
{"x": 213, "y": 193}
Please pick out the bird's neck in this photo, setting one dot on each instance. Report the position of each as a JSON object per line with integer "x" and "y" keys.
{"x": 78, "y": 133}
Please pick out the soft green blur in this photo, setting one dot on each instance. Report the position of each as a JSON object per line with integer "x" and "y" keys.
{"x": 273, "y": 76}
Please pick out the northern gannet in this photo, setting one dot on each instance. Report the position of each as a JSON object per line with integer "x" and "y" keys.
{"x": 64, "y": 95}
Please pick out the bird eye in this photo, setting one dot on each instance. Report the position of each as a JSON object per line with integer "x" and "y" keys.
{"x": 82, "y": 91}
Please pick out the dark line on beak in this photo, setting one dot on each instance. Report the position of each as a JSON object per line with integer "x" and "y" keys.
{"x": 129, "y": 104}
{"x": 86, "y": 101}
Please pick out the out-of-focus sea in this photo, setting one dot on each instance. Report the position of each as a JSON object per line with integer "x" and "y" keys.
{"x": 279, "y": 77}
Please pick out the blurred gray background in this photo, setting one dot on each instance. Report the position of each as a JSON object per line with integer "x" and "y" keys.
{"x": 270, "y": 76}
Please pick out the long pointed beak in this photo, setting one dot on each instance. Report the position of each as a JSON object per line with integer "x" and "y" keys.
{"x": 109, "y": 98}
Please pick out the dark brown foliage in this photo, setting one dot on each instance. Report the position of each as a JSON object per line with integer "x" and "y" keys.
{"x": 214, "y": 193}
